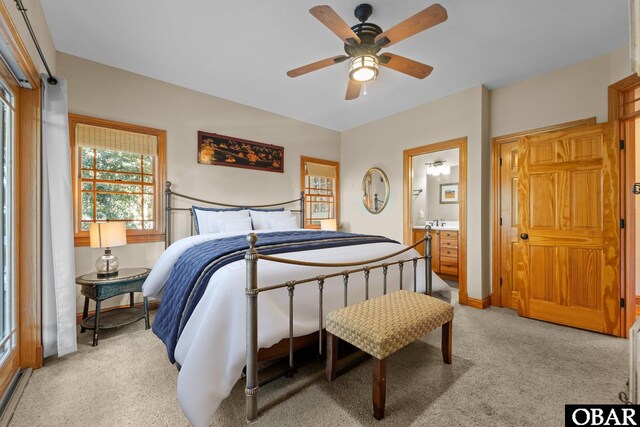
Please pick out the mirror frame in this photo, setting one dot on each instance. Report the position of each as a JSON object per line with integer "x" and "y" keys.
{"x": 386, "y": 186}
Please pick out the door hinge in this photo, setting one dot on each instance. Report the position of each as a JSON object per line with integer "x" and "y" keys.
{"x": 622, "y": 303}
{"x": 501, "y": 282}
{"x": 500, "y": 221}
{"x": 622, "y": 223}
{"x": 622, "y": 144}
{"x": 500, "y": 161}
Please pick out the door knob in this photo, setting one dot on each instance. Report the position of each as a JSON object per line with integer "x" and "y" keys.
{"x": 524, "y": 236}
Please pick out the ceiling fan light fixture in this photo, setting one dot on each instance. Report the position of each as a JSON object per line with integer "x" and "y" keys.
{"x": 363, "y": 68}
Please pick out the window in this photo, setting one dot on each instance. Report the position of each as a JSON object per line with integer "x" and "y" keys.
{"x": 8, "y": 325}
{"x": 320, "y": 183}
{"x": 118, "y": 172}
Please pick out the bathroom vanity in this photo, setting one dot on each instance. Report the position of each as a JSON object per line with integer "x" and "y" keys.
{"x": 444, "y": 249}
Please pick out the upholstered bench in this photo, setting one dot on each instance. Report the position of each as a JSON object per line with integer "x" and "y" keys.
{"x": 383, "y": 325}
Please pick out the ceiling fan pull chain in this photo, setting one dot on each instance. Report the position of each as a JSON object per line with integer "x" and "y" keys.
{"x": 365, "y": 89}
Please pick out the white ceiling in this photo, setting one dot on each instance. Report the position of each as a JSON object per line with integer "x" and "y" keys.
{"x": 241, "y": 49}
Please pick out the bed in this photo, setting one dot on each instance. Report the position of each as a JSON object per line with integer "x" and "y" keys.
{"x": 245, "y": 310}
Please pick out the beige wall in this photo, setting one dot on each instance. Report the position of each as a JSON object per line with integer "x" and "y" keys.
{"x": 40, "y": 27}
{"x": 575, "y": 92}
{"x": 109, "y": 93}
{"x": 381, "y": 143}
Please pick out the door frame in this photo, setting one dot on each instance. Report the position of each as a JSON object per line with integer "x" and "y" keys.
{"x": 496, "y": 145}
{"x": 627, "y": 175}
{"x": 408, "y": 154}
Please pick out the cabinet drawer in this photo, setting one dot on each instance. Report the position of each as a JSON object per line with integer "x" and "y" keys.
{"x": 449, "y": 234}
{"x": 449, "y": 252}
{"x": 447, "y": 260}
{"x": 449, "y": 268}
{"x": 448, "y": 242}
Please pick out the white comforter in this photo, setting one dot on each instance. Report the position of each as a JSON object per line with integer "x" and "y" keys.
{"x": 211, "y": 349}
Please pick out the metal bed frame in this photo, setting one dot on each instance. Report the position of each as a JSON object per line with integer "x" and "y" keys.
{"x": 252, "y": 290}
{"x": 168, "y": 209}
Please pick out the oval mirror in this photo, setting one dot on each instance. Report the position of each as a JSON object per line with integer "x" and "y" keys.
{"x": 375, "y": 190}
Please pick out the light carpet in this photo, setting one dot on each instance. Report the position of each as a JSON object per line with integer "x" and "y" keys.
{"x": 506, "y": 371}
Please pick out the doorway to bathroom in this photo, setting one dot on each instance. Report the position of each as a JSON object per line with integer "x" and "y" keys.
{"x": 435, "y": 183}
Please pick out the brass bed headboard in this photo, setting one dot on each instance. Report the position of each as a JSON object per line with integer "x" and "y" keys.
{"x": 168, "y": 209}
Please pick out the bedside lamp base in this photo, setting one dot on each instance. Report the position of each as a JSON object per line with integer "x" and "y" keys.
{"x": 107, "y": 265}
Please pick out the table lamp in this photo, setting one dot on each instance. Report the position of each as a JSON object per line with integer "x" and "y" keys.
{"x": 329, "y": 224}
{"x": 107, "y": 235}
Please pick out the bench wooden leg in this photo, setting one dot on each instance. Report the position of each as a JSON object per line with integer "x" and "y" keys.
{"x": 379, "y": 387}
{"x": 447, "y": 328}
{"x": 332, "y": 356}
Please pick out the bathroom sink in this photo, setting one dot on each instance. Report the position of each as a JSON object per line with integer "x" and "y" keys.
{"x": 446, "y": 225}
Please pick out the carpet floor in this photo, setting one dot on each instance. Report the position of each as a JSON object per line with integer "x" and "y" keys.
{"x": 506, "y": 371}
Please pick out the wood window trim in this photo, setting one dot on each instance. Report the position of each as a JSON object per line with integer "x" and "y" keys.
{"x": 306, "y": 159}
{"x": 408, "y": 154}
{"x": 27, "y": 202}
{"x": 496, "y": 143}
{"x": 81, "y": 238}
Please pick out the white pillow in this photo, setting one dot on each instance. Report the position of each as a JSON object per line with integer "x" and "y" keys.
{"x": 261, "y": 218}
{"x": 283, "y": 223}
{"x": 208, "y": 220}
{"x": 243, "y": 224}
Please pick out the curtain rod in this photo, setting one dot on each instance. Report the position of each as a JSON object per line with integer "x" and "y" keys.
{"x": 52, "y": 80}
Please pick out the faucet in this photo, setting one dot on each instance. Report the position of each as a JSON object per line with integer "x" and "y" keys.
{"x": 436, "y": 221}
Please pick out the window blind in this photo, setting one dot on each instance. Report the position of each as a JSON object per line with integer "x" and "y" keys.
{"x": 316, "y": 169}
{"x": 101, "y": 138}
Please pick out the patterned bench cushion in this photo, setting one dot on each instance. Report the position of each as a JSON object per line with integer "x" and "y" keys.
{"x": 383, "y": 325}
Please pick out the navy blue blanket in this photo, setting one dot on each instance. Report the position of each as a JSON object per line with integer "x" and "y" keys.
{"x": 191, "y": 273}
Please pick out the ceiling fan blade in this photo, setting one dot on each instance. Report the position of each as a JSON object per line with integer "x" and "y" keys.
{"x": 405, "y": 65}
{"x": 431, "y": 16}
{"x": 332, "y": 20}
{"x": 353, "y": 90}
{"x": 316, "y": 66}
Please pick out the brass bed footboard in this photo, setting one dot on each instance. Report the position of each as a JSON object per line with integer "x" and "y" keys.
{"x": 252, "y": 291}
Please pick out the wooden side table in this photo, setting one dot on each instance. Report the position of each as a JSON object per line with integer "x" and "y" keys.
{"x": 128, "y": 281}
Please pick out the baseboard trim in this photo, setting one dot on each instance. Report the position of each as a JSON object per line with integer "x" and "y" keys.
{"x": 477, "y": 303}
{"x": 153, "y": 305}
{"x": 14, "y": 392}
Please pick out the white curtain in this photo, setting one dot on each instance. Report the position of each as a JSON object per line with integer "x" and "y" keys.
{"x": 58, "y": 262}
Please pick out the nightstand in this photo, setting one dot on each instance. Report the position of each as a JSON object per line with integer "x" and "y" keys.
{"x": 128, "y": 281}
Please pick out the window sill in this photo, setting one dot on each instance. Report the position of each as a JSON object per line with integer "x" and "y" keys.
{"x": 83, "y": 240}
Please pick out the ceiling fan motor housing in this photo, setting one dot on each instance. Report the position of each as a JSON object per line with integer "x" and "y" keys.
{"x": 366, "y": 31}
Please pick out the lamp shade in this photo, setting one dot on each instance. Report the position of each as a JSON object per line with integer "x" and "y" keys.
{"x": 329, "y": 224}
{"x": 107, "y": 234}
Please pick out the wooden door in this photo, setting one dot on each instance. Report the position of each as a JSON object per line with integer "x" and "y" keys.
{"x": 568, "y": 252}
{"x": 508, "y": 223}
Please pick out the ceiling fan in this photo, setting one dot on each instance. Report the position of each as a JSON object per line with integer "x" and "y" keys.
{"x": 363, "y": 41}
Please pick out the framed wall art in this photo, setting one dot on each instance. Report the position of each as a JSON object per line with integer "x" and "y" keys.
{"x": 448, "y": 193}
{"x": 222, "y": 150}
